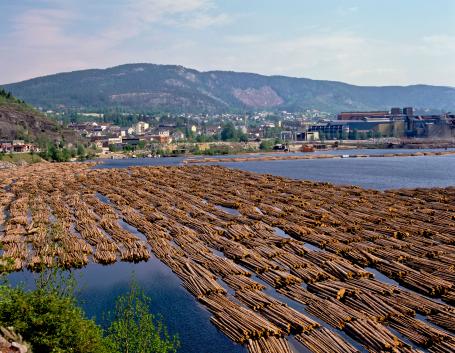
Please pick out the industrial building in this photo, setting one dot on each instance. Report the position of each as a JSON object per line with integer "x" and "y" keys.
{"x": 399, "y": 122}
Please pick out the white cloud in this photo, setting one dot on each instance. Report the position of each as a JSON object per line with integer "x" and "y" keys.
{"x": 338, "y": 56}
{"x": 439, "y": 44}
{"x": 41, "y": 42}
{"x": 201, "y": 21}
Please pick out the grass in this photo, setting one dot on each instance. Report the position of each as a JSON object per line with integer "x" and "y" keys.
{"x": 18, "y": 157}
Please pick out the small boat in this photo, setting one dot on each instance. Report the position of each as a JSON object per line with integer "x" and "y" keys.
{"x": 307, "y": 148}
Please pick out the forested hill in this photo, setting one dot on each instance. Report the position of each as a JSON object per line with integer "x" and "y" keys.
{"x": 149, "y": 87}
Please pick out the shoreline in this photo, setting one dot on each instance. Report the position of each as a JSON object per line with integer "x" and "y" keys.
{"x": 312, "y": 156}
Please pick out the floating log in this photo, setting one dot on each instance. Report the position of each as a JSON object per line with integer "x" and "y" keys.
{"x": 444, "y": 319}
{"x": 372, "y": 335}
{"x": 288, "y": 319}
{"x": 418, "y": 331}
{"x": 240, "y": 282}
{"x": 325, "y": 341}
{"x": 236, "y": 322}
{"x": 268, "y": 345}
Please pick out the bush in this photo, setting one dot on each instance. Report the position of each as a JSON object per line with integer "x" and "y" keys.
{"x": 266, "y": 145}
{"x": 135, "y": 329}
{"x": 50, "y": 320}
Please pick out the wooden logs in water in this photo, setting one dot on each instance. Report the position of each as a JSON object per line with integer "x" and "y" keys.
{"x": 419, "y": 303}
{"x": 268, "y": 345}
{"x": 242, "y": 283}
{"x": 444, "y": 319}
{"x": 288, "y": 319}
{"x": 256, "y": 300}
{"x": 449, "y": 297}
{"x": 371, "y": 305}
{"x": 236, "y": 322}
{"x": 372, "y": 335}
{"x": 325, "y": 341}
{"x": 297, "y": 293}
{"x": 197, "y": 280}
{"x": 278, "y": 278}
{"x": 332, "y": 312}
{"x": 418, "y": 331}
{"x": 442, "y": 347}
{"x": 334, "y": 289}
{"x": 66, "y": 214}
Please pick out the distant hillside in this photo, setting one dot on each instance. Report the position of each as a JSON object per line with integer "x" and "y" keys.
{"x": 148, "y": 87}
{"x": 21, "y": 121}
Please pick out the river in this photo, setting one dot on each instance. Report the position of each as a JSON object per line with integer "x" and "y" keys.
{"x": 99, "y": 285}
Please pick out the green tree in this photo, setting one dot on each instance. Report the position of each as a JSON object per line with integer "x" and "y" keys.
{"x": 135, "y": 330}
{"x": 141, "y": 145}
{"x": 81, "y": 150}
{"x": 228, "y": 132}
{"x": 243, "y": 137}
{"x": 266, "y": 144}
{"x": 49, "y": 319}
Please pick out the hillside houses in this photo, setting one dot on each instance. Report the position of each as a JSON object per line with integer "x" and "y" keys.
{"x": 17, "y": 146}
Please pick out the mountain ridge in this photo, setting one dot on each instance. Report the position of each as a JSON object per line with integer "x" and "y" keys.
{"x": 174, "y": 88}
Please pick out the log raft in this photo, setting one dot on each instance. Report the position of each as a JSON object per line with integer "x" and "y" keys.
{"x": 341, "y": 244}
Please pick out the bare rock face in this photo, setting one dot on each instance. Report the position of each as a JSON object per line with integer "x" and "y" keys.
{"x": 17, "y": 122}
{"x": 13, "y": 120}
{"x": 11, "y": 342}
{"x": 264, "y": 97}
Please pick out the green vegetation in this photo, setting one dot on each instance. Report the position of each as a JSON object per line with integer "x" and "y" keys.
{"x": 23, "y": 122}
{"x": 29, "y": 158}
{"x": 206, "y": 138}
{"x": 215, "y": 150}
{"x": 135, "y": 329}
{"x": 53, "y": 152}
{"x": 7, "y": 97}
{"x": 50, "y": 319}
{"x": 230, "y": 133}
{"x": 267, "y": 145}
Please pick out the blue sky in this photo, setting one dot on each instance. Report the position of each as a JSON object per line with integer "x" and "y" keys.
{"x": 365, "y": 42}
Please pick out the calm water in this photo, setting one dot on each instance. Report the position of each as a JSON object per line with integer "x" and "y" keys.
{"x": 182, "y": 313}
{"x": 375, "y": 173}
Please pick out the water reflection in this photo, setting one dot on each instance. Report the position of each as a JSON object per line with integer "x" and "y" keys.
{"x": 182, "y": 314}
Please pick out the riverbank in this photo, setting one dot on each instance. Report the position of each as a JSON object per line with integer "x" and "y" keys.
{"x": 287, "y": 156}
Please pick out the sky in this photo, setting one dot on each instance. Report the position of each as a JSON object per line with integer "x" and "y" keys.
{"x": 364, "y": 42}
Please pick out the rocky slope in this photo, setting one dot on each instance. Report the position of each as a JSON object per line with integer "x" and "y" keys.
{"x": 20, "y": 121}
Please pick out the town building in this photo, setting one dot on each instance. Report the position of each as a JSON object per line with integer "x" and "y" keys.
{"x": 17, "y": 146}
{"x": 140, "y": 127}
{"x": 360, "y": 115}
